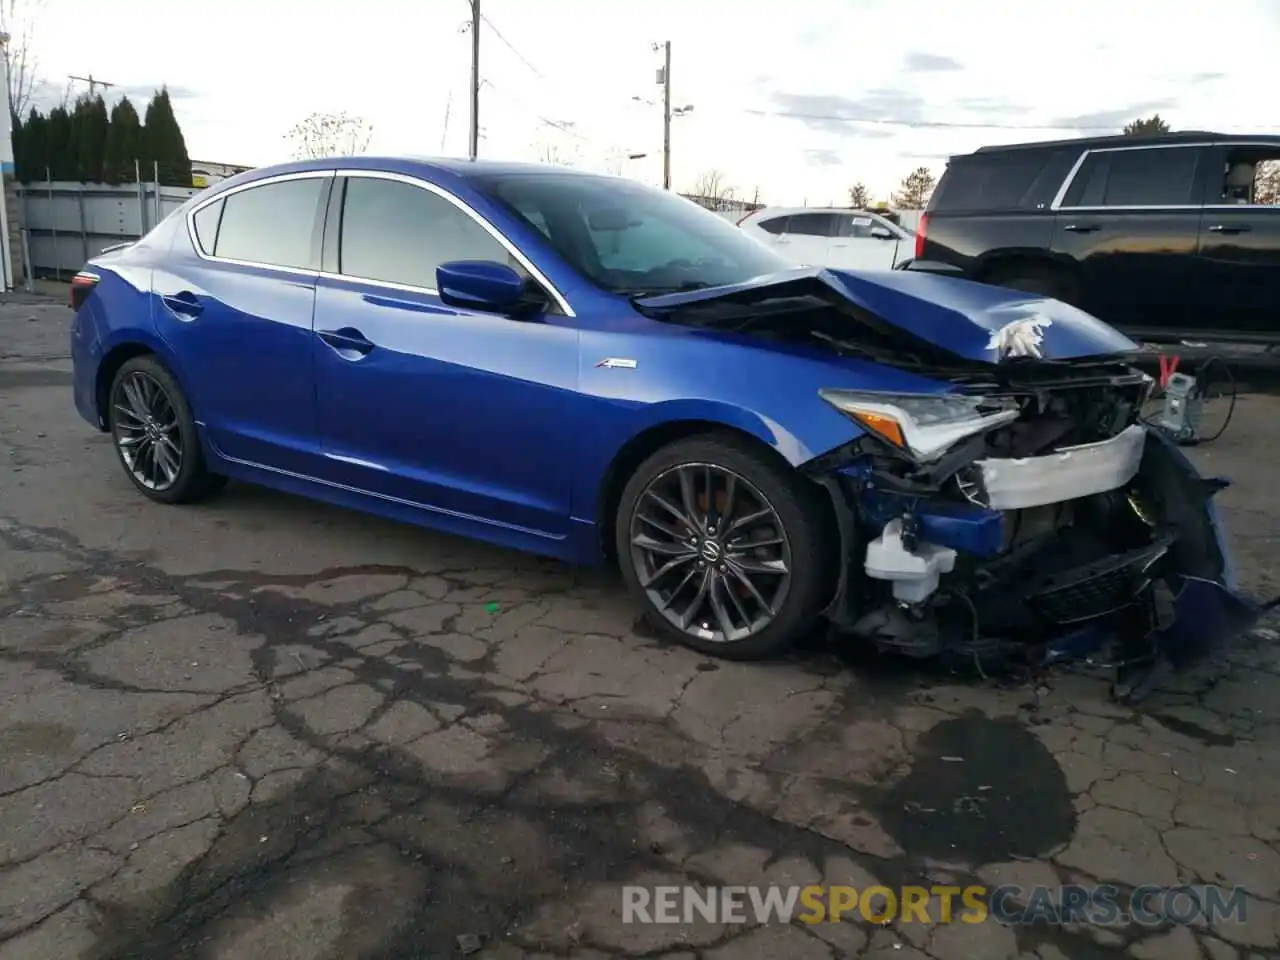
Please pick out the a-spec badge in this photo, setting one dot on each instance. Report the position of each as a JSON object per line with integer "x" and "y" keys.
{"x": 1022, "y": 338}
{"x": 617, "y": 363}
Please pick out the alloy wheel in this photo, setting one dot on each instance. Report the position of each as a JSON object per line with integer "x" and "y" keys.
{"x": 710, "y": 552}
{"x": 148, "y": 432}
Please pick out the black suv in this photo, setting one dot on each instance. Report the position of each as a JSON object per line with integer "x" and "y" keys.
{"x": 1167, "y": 237}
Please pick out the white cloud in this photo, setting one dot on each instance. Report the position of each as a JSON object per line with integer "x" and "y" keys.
{"x": 255, "y": 68}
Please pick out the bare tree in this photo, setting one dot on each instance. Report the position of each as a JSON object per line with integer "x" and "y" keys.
{"x": 859, "y": 196}
{"x": 17, "y": 23}
{"x": 330, "y": 135}
{"x": 712, "y": 186}
{"x": 556, "y": 154}
{"x": 915, "y": 189}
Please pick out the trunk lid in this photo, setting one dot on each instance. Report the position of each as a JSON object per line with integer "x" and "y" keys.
{"x": 973, "y": 321}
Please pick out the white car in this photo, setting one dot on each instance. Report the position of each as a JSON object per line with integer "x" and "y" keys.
{"x": 849, "y": 239}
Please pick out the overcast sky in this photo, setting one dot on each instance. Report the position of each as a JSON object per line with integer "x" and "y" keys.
{"x": 798, "y": 105}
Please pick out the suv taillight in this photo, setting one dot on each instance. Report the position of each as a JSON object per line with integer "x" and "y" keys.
{"x": 82, "y": 285}
{"x": 922, "y": 231}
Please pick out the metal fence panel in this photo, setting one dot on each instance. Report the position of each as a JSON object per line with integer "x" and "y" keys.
{"x": 68, "y": 223}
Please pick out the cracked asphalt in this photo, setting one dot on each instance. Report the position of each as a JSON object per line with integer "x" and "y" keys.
{"x": 266, "y": 727}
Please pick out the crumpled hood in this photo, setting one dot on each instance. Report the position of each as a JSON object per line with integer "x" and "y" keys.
{"x": 971, "y": 320}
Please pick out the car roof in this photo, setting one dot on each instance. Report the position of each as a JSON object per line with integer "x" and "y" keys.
{"x": 792, "y": 211}
{"x": 1129, "y": 140}
{"x": 429, "y": 167}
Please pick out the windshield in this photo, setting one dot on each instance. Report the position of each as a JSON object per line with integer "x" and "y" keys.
{"x": 630, "y": 238}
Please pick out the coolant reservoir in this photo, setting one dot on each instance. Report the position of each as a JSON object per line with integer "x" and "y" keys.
{"x": 913, "y": 573}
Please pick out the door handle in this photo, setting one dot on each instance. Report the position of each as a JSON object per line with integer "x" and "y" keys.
{"x": 184, "y": 305}
{"x": 1082, "y": 227}
{"x": 1230, "y": 228}
{"x": 348, "y": 340}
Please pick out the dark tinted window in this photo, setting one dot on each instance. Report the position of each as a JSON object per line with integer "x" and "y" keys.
{"x": 1016, "y": 180}
{"x": 813, "y": 225}
{"x": 1157, "y": 177}
{"x": 206, "y": 223}
{"x": 272, "y": 224}
{"x": 629, "y": 237}
{"x": 400, "y": 233}
{"x": 774, "y": 225}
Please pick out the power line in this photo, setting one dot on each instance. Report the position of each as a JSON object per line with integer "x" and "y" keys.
{"x": 510, "y": 46}
{"x": 951, "y": 125}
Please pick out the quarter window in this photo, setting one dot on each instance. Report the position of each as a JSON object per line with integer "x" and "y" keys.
{"x": 274, "y": 224}
{"x": 396, "y": 232}
{"x": 206, "y": 223}
{"x": 774, "y": 225}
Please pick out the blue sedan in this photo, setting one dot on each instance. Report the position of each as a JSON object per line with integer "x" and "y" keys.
{"x": 595, "y": 370}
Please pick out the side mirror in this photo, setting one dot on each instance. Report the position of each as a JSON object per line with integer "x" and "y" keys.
{"x": 882, "y": 233}
{"x": 482, "y": 285}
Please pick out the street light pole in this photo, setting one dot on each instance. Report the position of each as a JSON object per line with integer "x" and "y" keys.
{"x": 666, "y": 116}
{"x": 475, "y": 78}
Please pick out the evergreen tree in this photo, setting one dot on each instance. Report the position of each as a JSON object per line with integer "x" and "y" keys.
{"x": 61, "y": 157}
{"x": 164, "y": 142}
{"x": 124, "y": 143}
{"x": 35, "y": 148}
{"x": 89, "y": 134}
{"x": 15, "y": 125}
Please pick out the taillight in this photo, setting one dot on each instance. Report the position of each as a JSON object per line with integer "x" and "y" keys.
{"x": 82, "y": 285}
{"x": 922, "y": 231}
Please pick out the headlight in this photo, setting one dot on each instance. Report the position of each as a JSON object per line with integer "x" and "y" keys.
{"x": 924, "y": 427}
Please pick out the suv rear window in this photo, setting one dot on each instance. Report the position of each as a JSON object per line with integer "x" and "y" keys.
{"x": 1012, "y": 180}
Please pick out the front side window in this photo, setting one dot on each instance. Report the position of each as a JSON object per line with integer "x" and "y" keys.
{"x": 274, "y": 224}
{"x": 630, "y": 238}
{"x": 396, "y": 232}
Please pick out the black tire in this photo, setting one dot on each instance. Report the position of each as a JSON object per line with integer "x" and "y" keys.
{"x": 1041, "y": 281}
{"x": 805, "y": 526}
{"x": 192, "y": 480}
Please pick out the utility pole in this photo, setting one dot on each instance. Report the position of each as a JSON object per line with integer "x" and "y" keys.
{"x": 666, "y": 116}
{"x": 93, "y": 84}
{"x": 475, "y": 78}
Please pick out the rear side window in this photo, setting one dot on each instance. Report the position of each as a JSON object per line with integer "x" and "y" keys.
{"x": 273, "y": 224}
{"x": 396, "y": 232}
{"x": 1015, "y": 180}
{"x": 206, "y": 224}
{"x": 813, "y": 225}
{"x": 1158, "y": 177}
{"x": 774, "y": 225}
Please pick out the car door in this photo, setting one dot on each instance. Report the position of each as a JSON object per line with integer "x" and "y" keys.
{"x": 1238, "y": 264}
{"x": 806, "y": 238}
{"x": 863, "y": 242}
{"x": 1129, "y": 219}
{"x": 454, "y": 410}
{"x": 236, "y": 311}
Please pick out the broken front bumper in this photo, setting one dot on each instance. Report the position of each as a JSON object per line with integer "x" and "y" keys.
{"x": 1077, "y": 607}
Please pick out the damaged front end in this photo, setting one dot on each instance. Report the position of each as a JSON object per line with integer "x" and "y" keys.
{"x": 1026, "y": 510}
{"x": 1034, "y": 516}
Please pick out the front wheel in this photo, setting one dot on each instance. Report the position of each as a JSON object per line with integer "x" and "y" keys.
{"x": 154, "y": 434}
{"x": 727, "y": 551}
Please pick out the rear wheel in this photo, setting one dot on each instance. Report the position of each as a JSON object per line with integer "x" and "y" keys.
{"x": 155, "y": 436}
{"x": 727, "y": 551}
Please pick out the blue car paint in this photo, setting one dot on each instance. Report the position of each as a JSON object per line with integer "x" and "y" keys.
{"x": 492, "y": 427}
{"x": 958, "y": 315}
